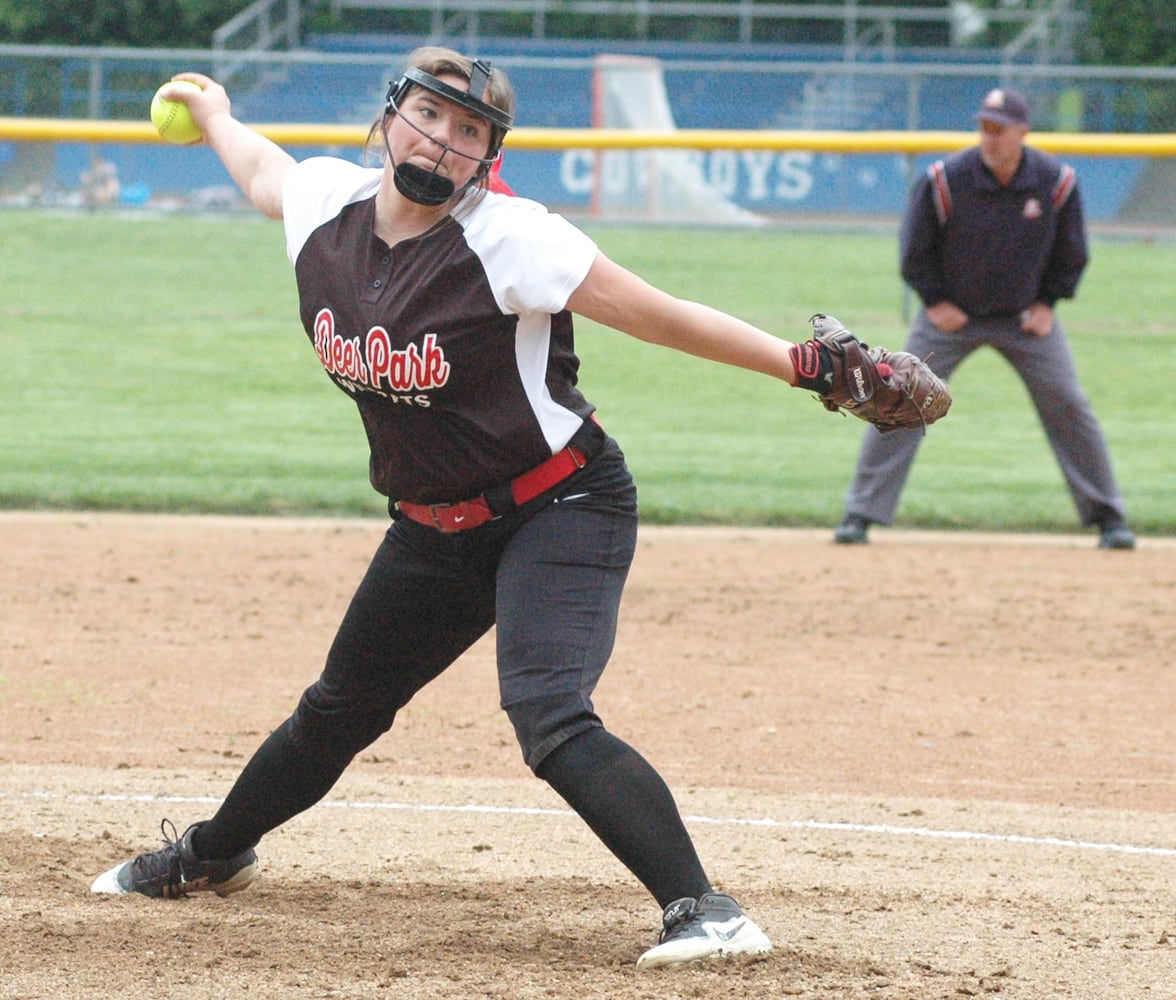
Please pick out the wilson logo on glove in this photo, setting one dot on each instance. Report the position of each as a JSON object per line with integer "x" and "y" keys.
{"x": 862, "y": 390}
{"x": 889, "y": 389}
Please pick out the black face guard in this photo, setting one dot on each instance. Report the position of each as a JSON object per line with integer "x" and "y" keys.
{"x": 425, "y": 187}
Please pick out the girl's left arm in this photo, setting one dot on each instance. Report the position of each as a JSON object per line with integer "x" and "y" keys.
{"x": 617, "y": 298}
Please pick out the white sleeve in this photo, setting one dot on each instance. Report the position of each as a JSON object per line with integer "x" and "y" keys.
{"x": 317, "y": 190}
{"x": 533, "y": 258}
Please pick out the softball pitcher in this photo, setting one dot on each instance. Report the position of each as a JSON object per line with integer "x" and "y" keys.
{"x": 443, "y": 308}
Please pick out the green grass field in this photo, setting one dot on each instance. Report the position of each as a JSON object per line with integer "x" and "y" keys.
{"x": 158, "y": 364}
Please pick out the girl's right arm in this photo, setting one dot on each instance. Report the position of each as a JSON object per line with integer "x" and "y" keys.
{"x": 257, "y": 165}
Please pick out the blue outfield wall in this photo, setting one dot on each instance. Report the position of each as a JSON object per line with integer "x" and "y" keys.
{"x": 771, "y": 183}
{"x": 767, "y": 182}
{"x": 791, "y": 182}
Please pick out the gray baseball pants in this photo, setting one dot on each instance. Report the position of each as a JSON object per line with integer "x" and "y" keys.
{"x": 1046, "y": 365}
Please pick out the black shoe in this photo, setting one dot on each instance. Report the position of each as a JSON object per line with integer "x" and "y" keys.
{"x": 1115, "y": 535}
{"x": 712, "y": 926}
{"x": 174, "y": 871}
{"x": 852, "y": 530}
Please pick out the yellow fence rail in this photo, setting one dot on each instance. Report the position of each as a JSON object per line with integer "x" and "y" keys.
{"x": 1073, "y": 143}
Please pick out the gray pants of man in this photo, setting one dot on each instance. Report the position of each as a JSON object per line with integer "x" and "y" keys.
{"x": 1046, "y": 365}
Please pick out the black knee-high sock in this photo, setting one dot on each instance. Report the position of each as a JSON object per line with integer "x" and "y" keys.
{"x": 279, "y": 782}
{"x": 629, "y": 807}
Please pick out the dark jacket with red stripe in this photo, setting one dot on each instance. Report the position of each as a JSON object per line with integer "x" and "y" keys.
{"x": 994, "y": 250}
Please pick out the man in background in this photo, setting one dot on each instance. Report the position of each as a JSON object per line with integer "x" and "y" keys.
{"x": 992, "y": 238}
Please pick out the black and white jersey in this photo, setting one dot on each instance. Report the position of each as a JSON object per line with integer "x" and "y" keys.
{"x": 456, "y": 345}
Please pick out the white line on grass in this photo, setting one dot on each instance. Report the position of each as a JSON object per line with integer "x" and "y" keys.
{"x": 884, "y": 829}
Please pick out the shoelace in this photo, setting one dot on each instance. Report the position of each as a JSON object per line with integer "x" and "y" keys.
{"x": 148, "y": 864}
{"x": 174, "y": 839}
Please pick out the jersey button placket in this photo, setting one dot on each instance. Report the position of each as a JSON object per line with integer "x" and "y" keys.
{"x": 377, "y": 283}
{"x": 385, "y": 262}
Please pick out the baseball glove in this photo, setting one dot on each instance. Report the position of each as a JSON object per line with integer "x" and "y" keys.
{"x": 890, "y": 389}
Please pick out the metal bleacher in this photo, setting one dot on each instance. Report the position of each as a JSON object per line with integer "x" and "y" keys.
{"x": 709, "y": 85}
{"x": 307, "y": 92}
{"x": 782, "y": 66}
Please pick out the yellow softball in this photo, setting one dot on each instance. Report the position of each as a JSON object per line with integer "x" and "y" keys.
{"x": 172, "y": 119}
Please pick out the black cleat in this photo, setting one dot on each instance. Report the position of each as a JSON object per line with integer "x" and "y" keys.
{"x": 712, "y": 926}
{"x": 174, "y": 871}
{"x": 852, "y": 530}
{"x": 1115, "y": 535}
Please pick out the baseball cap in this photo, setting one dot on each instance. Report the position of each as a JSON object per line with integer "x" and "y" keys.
{"x": 1004, "y": 106}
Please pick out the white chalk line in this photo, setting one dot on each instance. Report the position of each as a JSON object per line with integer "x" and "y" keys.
{"x": 882, "y": 829}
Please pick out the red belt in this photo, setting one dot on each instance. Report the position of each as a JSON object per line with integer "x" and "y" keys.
{"x": 450, "y": 517}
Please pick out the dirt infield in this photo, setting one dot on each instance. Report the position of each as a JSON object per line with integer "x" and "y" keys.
{"x": 938, "y": 766}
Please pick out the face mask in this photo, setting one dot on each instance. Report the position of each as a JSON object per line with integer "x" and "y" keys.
{"x": 428, "y": 187}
